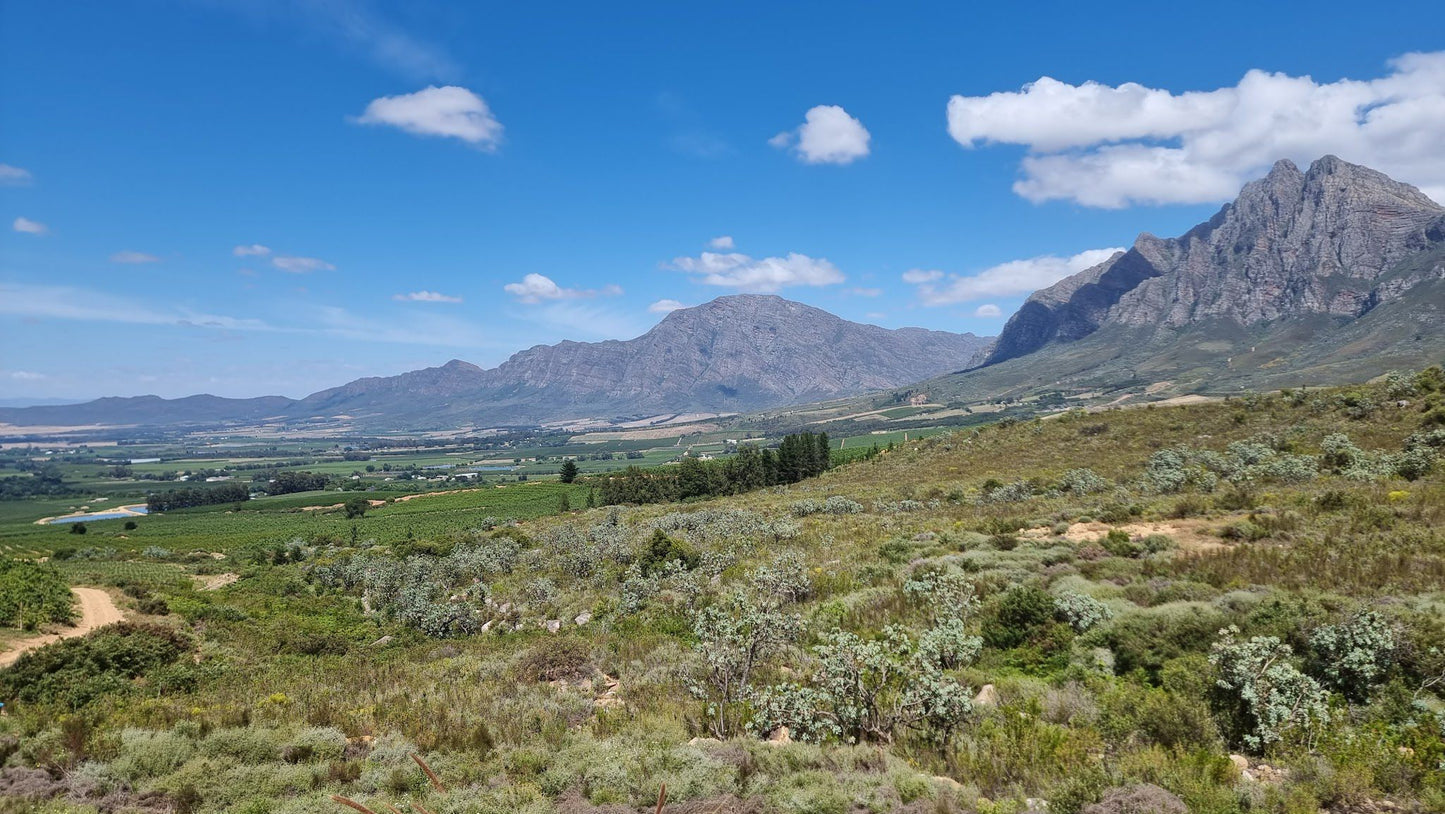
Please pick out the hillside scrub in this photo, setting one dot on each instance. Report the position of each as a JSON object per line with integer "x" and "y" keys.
{"x": 895, "y": 633}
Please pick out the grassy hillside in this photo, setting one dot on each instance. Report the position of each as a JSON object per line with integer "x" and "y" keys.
{"x": 1095, "y": 610}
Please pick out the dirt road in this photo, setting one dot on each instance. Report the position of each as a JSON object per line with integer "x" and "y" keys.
{"x": 96, "y": 610}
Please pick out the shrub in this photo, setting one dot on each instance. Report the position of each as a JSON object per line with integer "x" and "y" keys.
{"x": 33, "y": 594}
{"x": 1082, "y": 482}
{"x": 733, "y": 637}
{"x": 664, "y": 549}
{"x": 1354, "y": 656}
{"x": 1010, "y": 493}
{"x": 1145, "y": 798}
{"x": 866, "y": 690}
{"x": 1081, "y": 611}
{"x": 1264, "y": 697}
{"x": 556, "y": 658}
{"x": 1120, "y": 544}
{"x": 1015, "y": 616}
{"x": 104, "y": 662}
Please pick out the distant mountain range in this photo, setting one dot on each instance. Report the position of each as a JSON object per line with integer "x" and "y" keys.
{"x": 734, "y": 354}
{"x": 1332, "y": 275}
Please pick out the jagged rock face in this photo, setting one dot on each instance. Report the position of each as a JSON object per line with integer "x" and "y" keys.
{"x": 1328, "y": 241}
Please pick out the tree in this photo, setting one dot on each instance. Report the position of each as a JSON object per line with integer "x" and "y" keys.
{"x": 736, "y": 634}
{"x": 356, "y": 507}
{"x": 564, "y": 504}
{"x": 569, "y": 471}
{"x": 1264, "y": 697}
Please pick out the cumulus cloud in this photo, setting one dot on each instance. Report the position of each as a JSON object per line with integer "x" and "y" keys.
{"x": 300, "y": 265}
{"x": 665, "y": 307}
{"x": 253, "y": 250}
{"x": 768, "y": 274}
{"x": 535, "y": 288}
{"x": 11, "y": 176}
{"x": 448, "y": 112}
{"x": 988, "y": 311}
{"x": 721, "y": 244}
{"x": 1007, "y": 279}
{"x": 425, "y": 296}
{"x": 1113, "y": 146}
{"x": 30, "y": 227}
{"x": 828, "y": 135}
{"x": 133, "y": 257}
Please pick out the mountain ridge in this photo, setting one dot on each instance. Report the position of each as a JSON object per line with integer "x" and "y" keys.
{"x": 1292, "y": 243}
{"x": 735, "y": 353}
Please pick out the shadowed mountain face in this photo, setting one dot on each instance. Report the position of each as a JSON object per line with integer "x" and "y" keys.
{"x": 734, "y": 354}
{"x": 1332, "y": 275}
{"x": 1335, "y": 241}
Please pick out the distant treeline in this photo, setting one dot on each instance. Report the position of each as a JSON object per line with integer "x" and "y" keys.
{"x": 802, "y": 455}
{"x": 45, "y": 481}
{"x": 199, "y": 496}
{"x": 285, "y": 483}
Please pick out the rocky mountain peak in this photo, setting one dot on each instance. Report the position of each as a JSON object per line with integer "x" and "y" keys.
{"x": 1324, "y": 241}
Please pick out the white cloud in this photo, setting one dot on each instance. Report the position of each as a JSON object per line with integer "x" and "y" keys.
{"x": 1008, "y": 279}
{"x": 736, "y": 270}
{"x": 988, "y": 311}
{"x": 665, "y": 307}
{"x": 721, "y": 244}
{"x": 1107, "y": 146}
{"x": 30, "y": 227}
{"x": 449, "y": 112}
{"x": 133, "y": 257}
{"x": 535, "y": 288}
{"x": 253, "y": 250}
{"x": 828, "y": 135}
{"x": 11, "y": 176}
{"x": 26, "y": 376}
{"x": 300, "y": 265}
{"x": 65, "y": 302}
{"x": 916, "y": 276}
{"x": 89, "y": 305}
{"x": 425, "y": 296}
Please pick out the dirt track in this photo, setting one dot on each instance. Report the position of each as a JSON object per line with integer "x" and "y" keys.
{"x": 96, "y": 610}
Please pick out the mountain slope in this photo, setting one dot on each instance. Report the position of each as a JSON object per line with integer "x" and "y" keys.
{"x": 733, "y": 354}
{"x": 1306, "y": 278}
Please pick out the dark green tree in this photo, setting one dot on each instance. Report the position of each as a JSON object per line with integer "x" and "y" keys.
{"x": 569, "y": 471}
{"x": 356, "y": 507}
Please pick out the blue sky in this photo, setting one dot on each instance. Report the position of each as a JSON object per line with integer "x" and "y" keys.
{"x": 260, "y": 197}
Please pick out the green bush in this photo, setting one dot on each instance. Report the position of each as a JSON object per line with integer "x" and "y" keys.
{"x": 32, "y": 594}
{"x": 1014, "y": 617}
{"x": 103, "y": 663}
